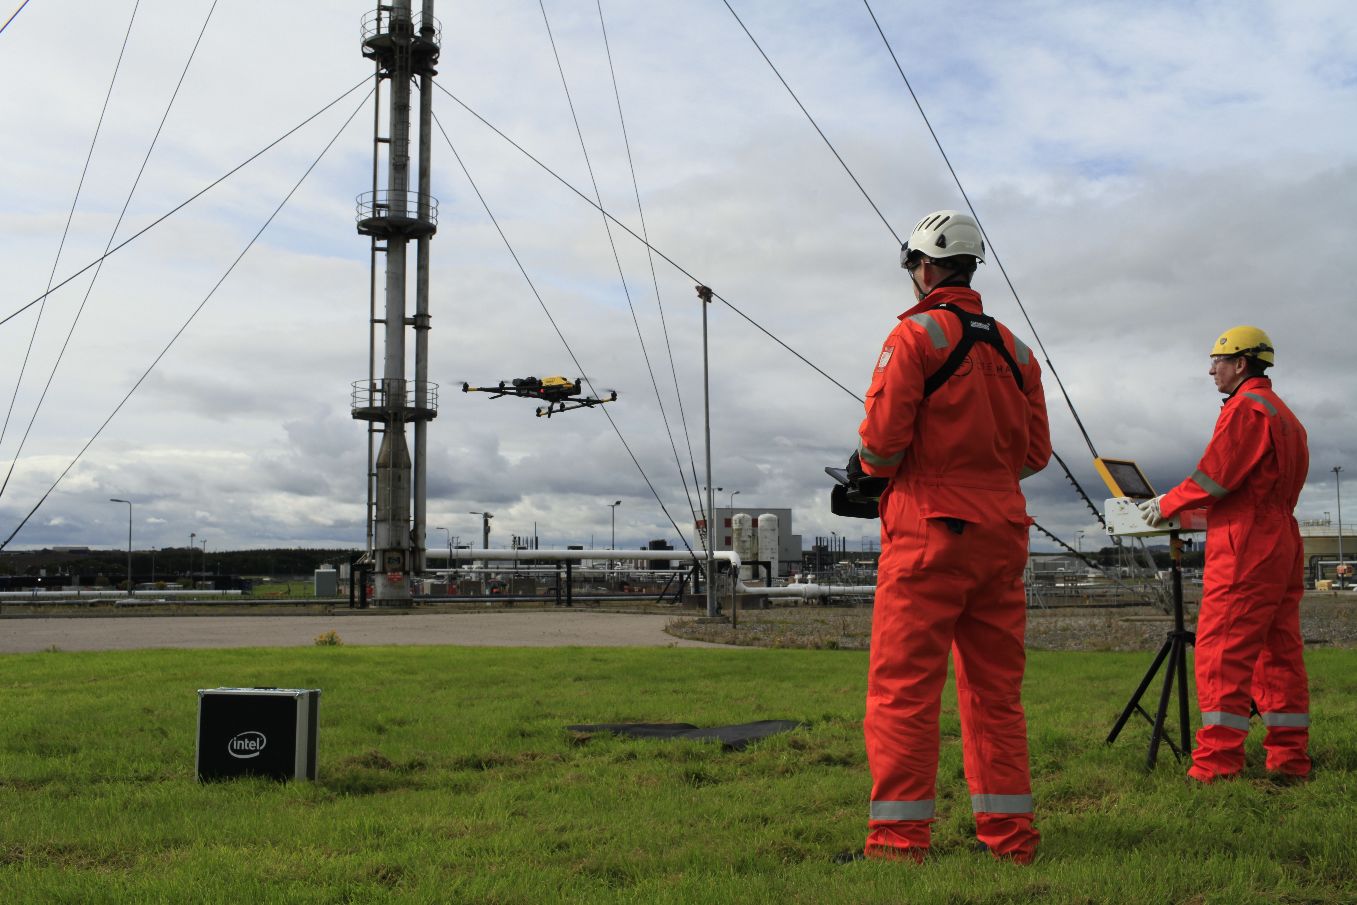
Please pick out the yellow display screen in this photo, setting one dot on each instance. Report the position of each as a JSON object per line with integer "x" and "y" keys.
{"x": 1124, "y": 478}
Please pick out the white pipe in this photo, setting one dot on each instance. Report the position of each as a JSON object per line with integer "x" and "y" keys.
{"x": 87, "y": 593}
{"x": 810, "y": 591}
{"x": 461, "y": 555}
{"x": 803, "y": 591}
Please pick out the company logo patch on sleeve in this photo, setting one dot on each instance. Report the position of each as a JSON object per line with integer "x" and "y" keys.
{"x": 885, "y": 358}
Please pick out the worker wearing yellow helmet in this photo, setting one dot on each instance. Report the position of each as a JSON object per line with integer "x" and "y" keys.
{"x": 1249, "y": 645}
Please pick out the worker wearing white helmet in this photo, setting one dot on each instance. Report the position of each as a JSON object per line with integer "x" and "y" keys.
{"x": 955, "y": 415}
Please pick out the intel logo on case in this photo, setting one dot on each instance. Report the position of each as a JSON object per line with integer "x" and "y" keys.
{"x": 246, "y": 744}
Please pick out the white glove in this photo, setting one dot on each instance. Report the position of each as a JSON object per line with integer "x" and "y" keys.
{"x": 1149, "y": 511}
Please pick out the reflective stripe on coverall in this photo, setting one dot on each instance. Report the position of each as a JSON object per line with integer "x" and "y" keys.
{"x": 953, "y": 549}
{"x": 1248, "y": 629}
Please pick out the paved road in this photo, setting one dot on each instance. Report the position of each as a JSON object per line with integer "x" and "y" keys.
{"x": 531, "y": 629}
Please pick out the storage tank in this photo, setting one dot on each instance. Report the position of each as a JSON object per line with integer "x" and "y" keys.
{"x": 743, "y": 540}
{"x": 768, "y": 541}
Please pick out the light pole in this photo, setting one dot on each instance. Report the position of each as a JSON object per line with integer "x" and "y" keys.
{"x": 1338, "y": 487}
{"x": 612, "y": 508}
{"x": 192, "y": 545}
{"x": 732, "y": 501}
{"x": 153, "y": 567}
{"x": 705, "y": 294}
{"x": 1079, "y": 541}
{"x": 129, "y": 542}
{"x": 449, "y": 534}
{"x": 612, "y": 542}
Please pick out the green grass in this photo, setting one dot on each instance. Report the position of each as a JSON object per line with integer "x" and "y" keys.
{"x": 446, "y": 775}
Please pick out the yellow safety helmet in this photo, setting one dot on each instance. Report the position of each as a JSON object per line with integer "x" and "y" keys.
{"x": 1245, "y": 340}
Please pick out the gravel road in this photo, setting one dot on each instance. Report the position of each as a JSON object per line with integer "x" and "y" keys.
{"x": 526, "y": 629}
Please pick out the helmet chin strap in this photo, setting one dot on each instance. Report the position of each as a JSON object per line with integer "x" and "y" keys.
{"x": 919, "y": 293}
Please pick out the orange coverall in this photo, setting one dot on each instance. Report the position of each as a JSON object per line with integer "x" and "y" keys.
{"x": 1248, "y": 629}
{"x": 953, "y": 548}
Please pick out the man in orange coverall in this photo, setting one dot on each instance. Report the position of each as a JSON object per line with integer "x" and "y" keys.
{"x": 955, "y": 416}
{"x": 1248, "y": 628}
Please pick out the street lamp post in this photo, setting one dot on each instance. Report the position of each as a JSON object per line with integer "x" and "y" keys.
{"x": 612, "y": 542}
{"x": 449, "y": 535}
{"x": 612, "y": 508}
{"x": 129, "y": 542}
{"x": 192, "y": 545}
{"x": 1338, "y": 487}
{"x": 732, "y": 501}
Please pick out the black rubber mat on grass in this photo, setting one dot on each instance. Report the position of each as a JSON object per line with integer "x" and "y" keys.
{"x": 732, "y": 738}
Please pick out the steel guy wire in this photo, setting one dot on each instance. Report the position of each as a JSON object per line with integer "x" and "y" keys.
{"x": 12, "y": 16}
{"x": 552, "y": 320}
{"x": 668, "y": 260}
{"x": 655, "y": 281}
{"x": 183, "y": 327}
{"x": 828, "y": 143}
{"x": 183, "y": 204}
{"x": 612, "y": 243}
{"x": 993, "y": 253}
{"x": 111, "y": 236}
{"x": 65, "y": 231}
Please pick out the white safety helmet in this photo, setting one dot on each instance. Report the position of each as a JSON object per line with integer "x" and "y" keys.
{"x": 945, "y": 234}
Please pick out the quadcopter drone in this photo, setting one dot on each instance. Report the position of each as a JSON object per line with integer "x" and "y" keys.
{"x": 559, "y": 394}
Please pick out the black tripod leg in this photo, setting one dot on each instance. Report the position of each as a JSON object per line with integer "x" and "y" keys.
{"x": 1175, "y": 645}
{"x": 1140, "y": 691}
{"x": 1183, "y": 725}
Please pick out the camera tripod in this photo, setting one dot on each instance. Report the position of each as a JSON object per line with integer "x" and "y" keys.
{"x": 1174, "y": 652}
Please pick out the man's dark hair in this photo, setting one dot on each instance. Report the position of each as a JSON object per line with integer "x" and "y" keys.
{"x": 963, "y": 266}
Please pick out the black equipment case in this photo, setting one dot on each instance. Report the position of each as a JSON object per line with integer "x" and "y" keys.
{"x": 257, "y": 732}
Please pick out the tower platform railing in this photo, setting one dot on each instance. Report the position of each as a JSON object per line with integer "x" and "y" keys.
{"x": 379, "y": 400}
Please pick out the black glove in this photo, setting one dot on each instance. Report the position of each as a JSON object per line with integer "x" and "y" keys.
{"x": 857, "y": 498}
{"x": 863, "y": 487}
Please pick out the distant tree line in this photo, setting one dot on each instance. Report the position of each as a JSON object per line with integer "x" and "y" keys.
{"x": 172, "y": 562}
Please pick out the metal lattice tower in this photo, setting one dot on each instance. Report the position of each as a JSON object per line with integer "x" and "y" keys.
{"x": 404, "y": 46}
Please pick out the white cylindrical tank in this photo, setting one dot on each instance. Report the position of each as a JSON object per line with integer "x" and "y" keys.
{"x": 743, "y": 540}
{"x": 768, "y": 541}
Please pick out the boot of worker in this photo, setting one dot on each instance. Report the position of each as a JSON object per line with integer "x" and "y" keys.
{"x": 1008, "y": 837}
{"x": 906, "y": 840}
{"x": 1219, "y": 753}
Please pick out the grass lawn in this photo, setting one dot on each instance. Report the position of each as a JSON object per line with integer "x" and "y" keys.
{"x": 447, "y": 775}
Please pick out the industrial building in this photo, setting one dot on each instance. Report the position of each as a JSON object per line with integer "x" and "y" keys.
{"x": 1320, "y": 537}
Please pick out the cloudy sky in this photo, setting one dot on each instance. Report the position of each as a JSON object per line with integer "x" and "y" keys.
{"x": 1148, "y": 173}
